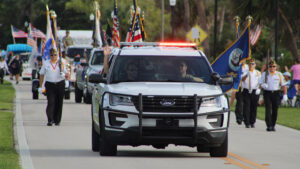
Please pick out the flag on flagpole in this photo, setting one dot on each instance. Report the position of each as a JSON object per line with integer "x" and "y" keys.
{"x": 255, "y": 34}
{"x": 31, "y": 42}
{"x": 144, "y": 35}
{"x": 17, "y": 33}
{"x": 98, "y": 37}
{"x": 229, "y": 62}
{"x": 36, "y": 33}
{"x": 48, "y": 42}
{"x": 137, "y": 35}
{"x": 116, "y": 34}
{"x": 128, "y": 35}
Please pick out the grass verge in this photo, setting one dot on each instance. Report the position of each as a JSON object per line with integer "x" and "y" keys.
{"x": 9, "y": 158}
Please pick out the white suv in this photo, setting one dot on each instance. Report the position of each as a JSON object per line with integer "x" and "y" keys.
{"x": 147, "y": 99}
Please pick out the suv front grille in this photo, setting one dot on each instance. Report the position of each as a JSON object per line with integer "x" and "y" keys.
{"x": 166, "y": 103}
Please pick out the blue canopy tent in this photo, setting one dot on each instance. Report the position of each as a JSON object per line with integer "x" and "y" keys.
{"x": 18, "y": 48}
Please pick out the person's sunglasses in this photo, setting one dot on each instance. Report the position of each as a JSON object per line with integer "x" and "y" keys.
{"x": 272, "y": 66}
{"x": 52, "y": 55}
{"x": 252, "y": 63}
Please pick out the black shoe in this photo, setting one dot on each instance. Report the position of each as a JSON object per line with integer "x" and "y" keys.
{"x": 57, "y": 124}
{"x": 49, "y": 124}
{"x": 269, "y": 129}
{"x": 273, "y": 129}
{"x": 17, "y": 82}
{"x": 239, "y": 122}
{"x": 247, "y": 126}
{"x": 252, "y": 126}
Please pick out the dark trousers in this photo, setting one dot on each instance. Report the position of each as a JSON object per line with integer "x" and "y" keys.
{"x": 272, "y": 101}
{"x": 55, "y": 97}
{"x": 250, "y": 106}
{"x": 2, "y": 74}
{"x": 239, "y": 106}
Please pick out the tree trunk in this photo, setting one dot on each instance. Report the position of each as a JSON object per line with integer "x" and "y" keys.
{"x": 291, "y": 43}
{"x": 201, "y": 19}
{"x": 186, "y": 15}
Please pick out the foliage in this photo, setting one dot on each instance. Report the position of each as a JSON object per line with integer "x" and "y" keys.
{"x": 8, "y": 155}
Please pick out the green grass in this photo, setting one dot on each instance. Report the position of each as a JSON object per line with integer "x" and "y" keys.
{"x": 9, "y": 158}
{"x": 287, "y": 116}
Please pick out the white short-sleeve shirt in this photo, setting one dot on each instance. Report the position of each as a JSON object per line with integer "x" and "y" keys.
{"x": 274, "y": 80}
{"x": 52, "y": 71}
{"x": 253, "y": 80}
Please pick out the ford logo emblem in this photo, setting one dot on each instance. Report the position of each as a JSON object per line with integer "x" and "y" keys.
{"x": 167, "y": 102}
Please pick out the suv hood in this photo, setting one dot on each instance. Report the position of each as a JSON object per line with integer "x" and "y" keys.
{"x": 94, "y": 69}
{"x": 164, "y": 88}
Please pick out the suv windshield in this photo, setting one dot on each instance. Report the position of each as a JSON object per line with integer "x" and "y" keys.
{"x": 160, "y": 69}
{"x": 97, "y": 58}
{"x": 72, "y": 52}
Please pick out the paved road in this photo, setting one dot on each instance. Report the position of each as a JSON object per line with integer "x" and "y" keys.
{"x": 69, "y": 146}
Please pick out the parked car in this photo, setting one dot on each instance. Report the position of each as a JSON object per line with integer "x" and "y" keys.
{"x": 159, "y": 94}
{"x": 83, "y": 88}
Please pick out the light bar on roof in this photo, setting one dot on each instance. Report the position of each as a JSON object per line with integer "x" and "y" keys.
{"x": 177, "y": 44}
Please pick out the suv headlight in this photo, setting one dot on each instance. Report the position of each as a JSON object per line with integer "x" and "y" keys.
{"x": 211, "y": 102}
{"x": 115, "y": 100}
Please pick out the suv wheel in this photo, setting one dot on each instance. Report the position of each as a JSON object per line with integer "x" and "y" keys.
{"x": 220, "y": 151}
{"x": 107, "y": 149}
{"x": 78, "y": 94}
{"x": 95, "y": 139}
{"x": 87, "y": 98}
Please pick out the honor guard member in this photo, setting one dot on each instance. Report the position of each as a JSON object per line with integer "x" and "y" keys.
{"x": 272, "y": 82}
{"x": 239, "y": 98}
{"x": 251, "y": 94}
{"x": 54, "y": 72}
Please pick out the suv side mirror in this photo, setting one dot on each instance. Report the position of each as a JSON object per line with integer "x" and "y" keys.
{"x": 215, "y": 76}
{"x": 96, "y": 78}
{"x": 226, "y": 80}
{"x": 84, "y": 64}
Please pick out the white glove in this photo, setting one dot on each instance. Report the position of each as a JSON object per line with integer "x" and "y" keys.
{"x": 62, "y": 74}
{"x": 40, "y": 90}
{"x": 264, "y": 85}
{"x": 250, "y": 91}
{"x": 285, "y": 98}
{"x": 257, "y": 92}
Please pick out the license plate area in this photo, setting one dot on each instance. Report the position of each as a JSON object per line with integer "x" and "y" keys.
{"x": 167, "y": 123}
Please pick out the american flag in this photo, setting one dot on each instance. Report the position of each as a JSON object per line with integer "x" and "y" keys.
{"x": 116, "y": 34}
{"x": 255, "y": 34}
{"x": 128, "y": 35}
{"x": 31, "y": 42}
{"x": 17, "y": 33}
{"x": 136, "y": 35}
{"x": 36, "y": 33}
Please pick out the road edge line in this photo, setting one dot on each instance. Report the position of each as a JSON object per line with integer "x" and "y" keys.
{"x": 19, "y": 134}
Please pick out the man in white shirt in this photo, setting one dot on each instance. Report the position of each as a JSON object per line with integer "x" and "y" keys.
{"x": 3, "y": 69}
{"x": 54, "y": 72}
{"x": 251, "y": 93}
{"x": 239, "y": 98}
{"x": 272, "y": 82}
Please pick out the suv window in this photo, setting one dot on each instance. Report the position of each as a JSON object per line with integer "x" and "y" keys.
{"x": 97, "y": 58}
{"x": 72, "y": 52}
{"x": 160, "y": 69}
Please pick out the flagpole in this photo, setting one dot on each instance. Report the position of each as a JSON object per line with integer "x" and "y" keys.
{"x": 12, "y": 33}
{"x": 237, "y": 24}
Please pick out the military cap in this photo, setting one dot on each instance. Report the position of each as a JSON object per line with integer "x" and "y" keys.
{"x": 272, "y": 62}
{"x": 53, "y": 51}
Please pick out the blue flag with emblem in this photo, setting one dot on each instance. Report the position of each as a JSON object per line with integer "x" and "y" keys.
{"x": 229, "y": 62}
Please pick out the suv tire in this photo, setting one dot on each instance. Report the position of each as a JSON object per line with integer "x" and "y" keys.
{"x": 107, "y": 149}
{"x": 87, "y": 98}
{"x": 95, "y": 139}
{"x": 220, "y": 151}
{"x": 78, "y": 94}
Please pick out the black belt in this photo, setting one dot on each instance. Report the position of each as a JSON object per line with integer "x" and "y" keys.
{"x": 55, "y": 83}
{"x": 272, "y": 91}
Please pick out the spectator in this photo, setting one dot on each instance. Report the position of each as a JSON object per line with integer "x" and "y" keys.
{"x": 296, "y": 75}
{"x": 67, "y": 40}
{"x": 15, "y": 65}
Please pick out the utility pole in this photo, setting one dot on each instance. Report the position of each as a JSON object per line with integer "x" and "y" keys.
{"x": 276, "y": 31}
{"x": 162, "y": 19}
{"x": 215, "y": 29}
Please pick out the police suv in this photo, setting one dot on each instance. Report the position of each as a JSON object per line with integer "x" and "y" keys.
{"x": 159, "y": 94}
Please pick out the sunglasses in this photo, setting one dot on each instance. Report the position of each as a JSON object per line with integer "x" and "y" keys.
{"x": 252, "y": 63}
{"x": 52, "y": 55}
{"x": 272, "y": 66}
